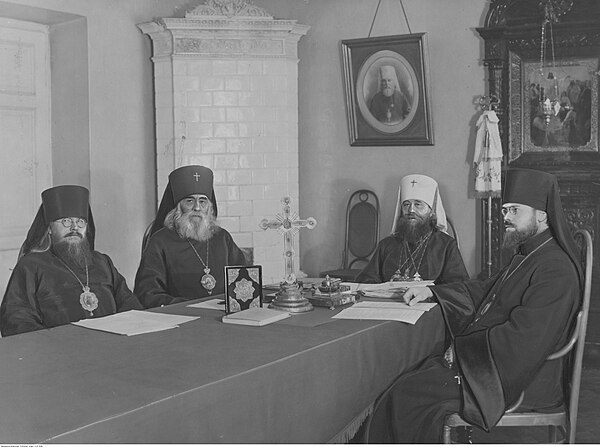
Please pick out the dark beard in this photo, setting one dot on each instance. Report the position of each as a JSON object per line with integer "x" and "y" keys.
{"x": 518, "y": 237}
{"x": 413, "y": 231}
{"x": 76, "y": 253}
{"x": 194, "y": 228}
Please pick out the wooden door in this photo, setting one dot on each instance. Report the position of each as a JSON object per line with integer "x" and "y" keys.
{"x": 25, "y": 148}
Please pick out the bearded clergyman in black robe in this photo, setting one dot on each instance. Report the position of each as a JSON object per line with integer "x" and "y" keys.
{"x": 389, "y": 105}
{"x": 419, "y": 247}
{"x": 502, "y": 329}
{"x": 187, "y": 250}
{"x": 59, "y": 277}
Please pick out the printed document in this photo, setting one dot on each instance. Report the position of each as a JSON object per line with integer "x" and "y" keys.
{"x": 135, "y": 322}
{"x": 385, "y": 310}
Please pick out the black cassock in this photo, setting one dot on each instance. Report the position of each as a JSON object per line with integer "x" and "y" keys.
{"x": 43, "y": 293}
{"x": 503, "y": 329}
{"x": 440, "y": 262}
{"x": 170, "y": 271}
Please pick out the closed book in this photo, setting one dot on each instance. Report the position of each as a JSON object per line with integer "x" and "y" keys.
{"x": 256, "y": 317}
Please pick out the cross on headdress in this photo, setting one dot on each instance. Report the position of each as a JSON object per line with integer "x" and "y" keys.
{"x": 196, "y": 176}
{"x": 413, "y": 182}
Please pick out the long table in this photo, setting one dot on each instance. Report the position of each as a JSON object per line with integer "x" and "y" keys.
{"x": 305, "y": 379}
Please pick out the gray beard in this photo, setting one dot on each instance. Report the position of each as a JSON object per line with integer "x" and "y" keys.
{"x": 387, "y": 91}
{"x": 414, "y": 231}
{"x": 196, "y": 229}
{"x": 515, "y": 238}
{"x": 76, "y": 253}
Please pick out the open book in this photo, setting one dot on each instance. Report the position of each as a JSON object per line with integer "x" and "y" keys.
{"x": 257, "y": 317}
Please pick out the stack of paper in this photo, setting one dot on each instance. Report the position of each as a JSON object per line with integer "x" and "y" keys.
{"x": 387, "y": 310}
{"x": 387, "y": 290}
{"x": 257, "y": 317}
{"x": 135, "y": 322}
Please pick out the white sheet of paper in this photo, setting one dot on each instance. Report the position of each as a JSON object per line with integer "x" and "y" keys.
{"x": 212, "y": 304}
{"x": 421, "y": 306}
{"x": 135, "y": 322}
{"x": 387, "y": 290}
{"x": 401, "y": 315}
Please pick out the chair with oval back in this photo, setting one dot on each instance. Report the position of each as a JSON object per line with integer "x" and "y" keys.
{"x": 361, "y": 234}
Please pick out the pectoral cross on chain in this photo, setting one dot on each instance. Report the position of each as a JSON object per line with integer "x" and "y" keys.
{"x": 289, "y": 224}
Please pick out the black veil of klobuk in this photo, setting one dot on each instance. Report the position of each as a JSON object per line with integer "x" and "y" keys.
{"x": 183, "y": 182}
{"x": 539, "y": 190}
{"x": 59, "y": 202}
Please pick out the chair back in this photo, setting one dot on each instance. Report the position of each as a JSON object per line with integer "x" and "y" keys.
{"x": 578, "y": 338}
{"x": 362, "y": 228}
{"x": 452, "y": 231}
{"x": 146, "y": 236}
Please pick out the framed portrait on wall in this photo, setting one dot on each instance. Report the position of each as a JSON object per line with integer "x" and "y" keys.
{"x": 386, "y": 81}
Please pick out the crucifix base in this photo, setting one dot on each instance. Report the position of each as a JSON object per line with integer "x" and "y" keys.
{"x": 290, "y": 299}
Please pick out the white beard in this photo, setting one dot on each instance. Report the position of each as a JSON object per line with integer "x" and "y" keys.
{"x": 387, "y": 91}
{"x": 196, "y": 228}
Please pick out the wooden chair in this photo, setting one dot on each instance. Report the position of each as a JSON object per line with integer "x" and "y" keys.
{"x": 452, "y": 231}
{"x": 566, "y": 418}
{"x": 361, "y": 235}
{"x": 146, "y": 236}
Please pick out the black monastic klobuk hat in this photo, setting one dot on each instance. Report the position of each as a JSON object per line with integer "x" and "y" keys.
{"x": 539, "y": 190}
{"x": 60, "y": 202}
{"x": 183, "y": 182}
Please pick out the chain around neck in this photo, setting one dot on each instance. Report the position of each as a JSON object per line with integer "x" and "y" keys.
{"x": 87, "y": 276}
{"x": 198, "y": 255}
{"x": 410, "y": 256}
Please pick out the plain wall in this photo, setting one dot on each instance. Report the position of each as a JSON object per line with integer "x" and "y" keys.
{"x": 331, "y": 169}
{"x": 119, "y": 84}
{"x": 121, "y": 117}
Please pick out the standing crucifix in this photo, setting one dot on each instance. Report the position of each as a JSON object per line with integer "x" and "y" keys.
{"x": 289, "y": 298}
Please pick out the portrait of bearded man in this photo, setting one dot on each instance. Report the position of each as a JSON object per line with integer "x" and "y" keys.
{"x": 389, "y": 105}
{"x": 59, "y": 277}
{"x": 419, "y": 247}
{"x": 187, "y": 250}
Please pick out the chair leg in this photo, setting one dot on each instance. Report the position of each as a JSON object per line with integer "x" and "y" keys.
{"x": 447, "y": 434}
{"x": 557, "y": 434}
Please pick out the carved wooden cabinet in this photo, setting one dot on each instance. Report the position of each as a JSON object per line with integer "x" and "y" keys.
{"x": 565, "y": 145}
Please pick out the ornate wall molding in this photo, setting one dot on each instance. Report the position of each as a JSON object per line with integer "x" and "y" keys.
{"x": 228, "y": 8}
{"x": 226, "y": 28}
{"x": 233, "y": 47}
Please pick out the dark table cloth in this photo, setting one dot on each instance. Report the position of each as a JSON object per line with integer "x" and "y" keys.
{"x": 306, "y": 379}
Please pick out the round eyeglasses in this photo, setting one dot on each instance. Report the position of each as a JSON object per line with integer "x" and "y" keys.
{"x": 68, "y": 222}
{"x": 512, "y": 210}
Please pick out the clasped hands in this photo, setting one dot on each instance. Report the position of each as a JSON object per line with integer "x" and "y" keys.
{"x": 416, "y": 294}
